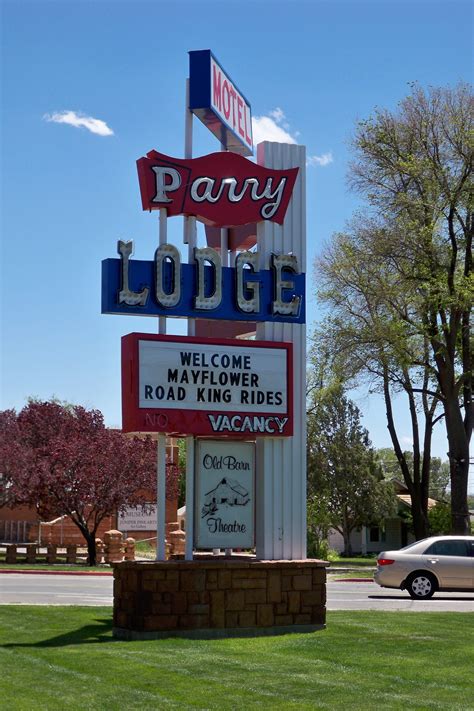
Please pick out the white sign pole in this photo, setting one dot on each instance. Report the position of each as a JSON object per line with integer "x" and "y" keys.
{"x": 162, "y": 240}
{"x": 189, "y": 498}
{"x": 189, "y": 224}
{"x": 161, "y": 442}
{"x": 224, "y": 235}
{"x": 161, "y": 497}
{"x": 189, "y": 238}
{"x": 225, "y": 263}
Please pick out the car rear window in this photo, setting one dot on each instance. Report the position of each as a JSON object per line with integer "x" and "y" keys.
{"x": 451, "y": 547}
{"x": 411, "y": 545}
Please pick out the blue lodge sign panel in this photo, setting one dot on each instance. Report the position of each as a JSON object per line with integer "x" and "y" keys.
{"x": 203, "y": 289}
{"x": 225, "y": 494}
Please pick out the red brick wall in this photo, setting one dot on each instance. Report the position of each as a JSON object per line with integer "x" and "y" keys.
{"x": 179, "y": 595}
{"x": 67, "y": 533}
{"x": 18, "y": 513}
{"x": 51, "y": 531}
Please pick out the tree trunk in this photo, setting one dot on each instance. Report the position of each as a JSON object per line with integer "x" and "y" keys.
{"x": 459, "y": 465}
{"x": 459, "y": 469}
{"x": 89, "y": 536}
{"x": 418, "y": 505}
{"x": 347, "y": 542}
{"x": 91, "y": 551}
{"x": 419, "y": 516}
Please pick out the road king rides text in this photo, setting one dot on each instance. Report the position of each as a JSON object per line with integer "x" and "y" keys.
{"x": 211, "y": 379}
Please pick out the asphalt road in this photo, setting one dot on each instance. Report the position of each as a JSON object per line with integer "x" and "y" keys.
{"x": 24, "y": 589}
{"x": 90, "y": 590}
{"x": 369, "y": 596}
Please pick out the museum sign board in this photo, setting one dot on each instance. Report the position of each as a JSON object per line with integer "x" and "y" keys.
{"x": 137, "y": 518}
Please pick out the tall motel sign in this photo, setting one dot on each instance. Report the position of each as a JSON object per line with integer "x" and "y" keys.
{"x": 239, "y": 403}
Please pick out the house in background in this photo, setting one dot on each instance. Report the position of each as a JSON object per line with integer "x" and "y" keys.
{"x": 392, "y": 534}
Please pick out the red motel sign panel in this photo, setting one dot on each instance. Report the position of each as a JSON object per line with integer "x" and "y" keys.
{"x": 221, "y": 189}
{"x": 184, "y": 385}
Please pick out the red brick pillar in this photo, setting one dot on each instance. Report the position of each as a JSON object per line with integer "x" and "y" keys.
{"x": 51, "y": 554}
{"x": 99, "y": 550}
{"x": 129, "y": 549}
{"x": 113, "y": 546}
{"x": 71, "y": 554}
{"x": 11, "y": 554}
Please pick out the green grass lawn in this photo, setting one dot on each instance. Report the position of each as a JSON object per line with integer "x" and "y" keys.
{"x": 333, "y": 575}
{"x": 66, "y": 658}
{"x": 354, "y": 562}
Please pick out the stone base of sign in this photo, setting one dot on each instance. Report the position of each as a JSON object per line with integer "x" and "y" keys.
{"x": 213, "y": 598}
{"x": 216, "y": 633}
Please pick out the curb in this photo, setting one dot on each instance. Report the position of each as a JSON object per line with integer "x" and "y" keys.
{"x": 353, "y": 580}
{"x": 55, "y": 572}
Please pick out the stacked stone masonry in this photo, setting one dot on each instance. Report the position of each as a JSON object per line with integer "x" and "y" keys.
{"x": 218, "y": 594}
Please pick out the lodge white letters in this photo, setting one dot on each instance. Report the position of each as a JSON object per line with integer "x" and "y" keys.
{"x": 202, "y": 301}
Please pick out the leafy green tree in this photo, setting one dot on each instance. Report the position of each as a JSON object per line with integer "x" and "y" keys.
{"x": 439, "y": 480}
{"x": 370, "y": 346}
{"x": 439, "y": 471}
{"x": 345, "y": 484}
{"x": 400, "y": 280}
{"x": 318, "y": 526}
{"x": 440, "y": 519}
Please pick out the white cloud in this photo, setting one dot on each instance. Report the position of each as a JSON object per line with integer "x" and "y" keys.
{"x": 277, "y": 114}
{"x": 275, "y": 127}
{"x": 265, "y": 128}
{"x": 79, "y": 120}
{"x": 280, "y": 118}
{"x": 322, "y": 160}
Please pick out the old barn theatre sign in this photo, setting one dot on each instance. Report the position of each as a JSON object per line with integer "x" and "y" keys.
{"x": 215, "y": 99}
{"x": 221, "y": 189}
{"x": 225, "y": 485}
{"x": 184, "y": 385}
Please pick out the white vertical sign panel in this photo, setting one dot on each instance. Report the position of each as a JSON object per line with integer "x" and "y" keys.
{"x": 281, "y": 463}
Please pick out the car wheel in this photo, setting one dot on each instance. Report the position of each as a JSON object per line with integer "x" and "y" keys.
{"x": 421, "y": 585}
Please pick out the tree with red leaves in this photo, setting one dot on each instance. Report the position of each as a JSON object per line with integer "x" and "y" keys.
{"x": 64, "y": 461}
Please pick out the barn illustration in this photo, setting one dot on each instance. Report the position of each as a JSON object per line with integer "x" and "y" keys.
{"x": 228, "y": 492}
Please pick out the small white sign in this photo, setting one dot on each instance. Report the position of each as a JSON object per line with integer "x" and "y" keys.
{"x": 137, "y": 518}
{"x": 225, "y": 498}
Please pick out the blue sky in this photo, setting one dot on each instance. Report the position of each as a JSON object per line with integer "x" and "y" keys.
{"x": 309, "y": 69}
